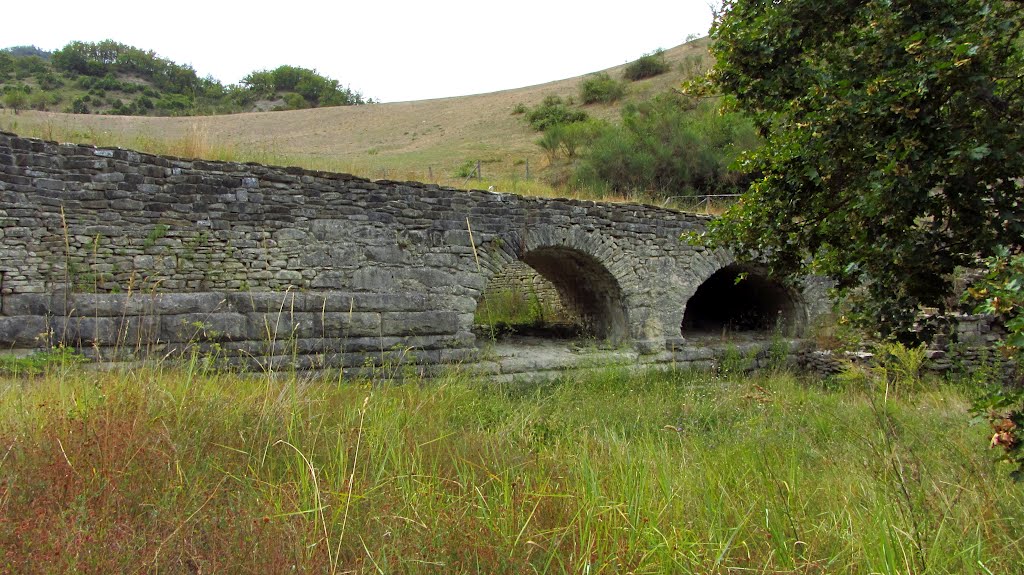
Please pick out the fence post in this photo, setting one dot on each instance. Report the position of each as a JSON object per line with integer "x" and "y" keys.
{"x": 430, "y": 173}
{"x": 478, "y": 170}
{"x": 527, "y": 168}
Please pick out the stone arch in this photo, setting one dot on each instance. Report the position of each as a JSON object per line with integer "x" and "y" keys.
{"x": 589, "y": 291}
{"x": 743, "y": 298}
{"x": 587, "y": 271}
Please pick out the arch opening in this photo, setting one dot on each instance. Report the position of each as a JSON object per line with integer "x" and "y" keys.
{"x": 738, "y": 299}
{"x": 554, "y": 292}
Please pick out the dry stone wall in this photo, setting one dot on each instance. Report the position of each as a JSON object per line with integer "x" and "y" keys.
{"x": 121, "y": 253}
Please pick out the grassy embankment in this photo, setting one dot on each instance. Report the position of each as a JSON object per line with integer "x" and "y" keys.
{"x": 432, "y": 141}
{"x": 172, "y": 470}
{"x": 195, "y": 142}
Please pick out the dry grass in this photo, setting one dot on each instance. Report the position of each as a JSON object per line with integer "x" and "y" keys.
{"x": 420, "y": 141}
{"x": 173, "y": 471}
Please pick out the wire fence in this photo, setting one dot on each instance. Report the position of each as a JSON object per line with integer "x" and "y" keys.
{"x": 704, "y": 204}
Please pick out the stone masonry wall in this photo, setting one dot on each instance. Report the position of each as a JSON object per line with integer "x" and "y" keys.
{"x": 521, "y": 281}
{"x": 121, "y": 253}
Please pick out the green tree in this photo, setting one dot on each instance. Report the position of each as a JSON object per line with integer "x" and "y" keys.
{"x": 893, "y": 142}
{"x": 6, "y": 65}
{"x": 260, "y": 83}
{"x": 15, "y": 99}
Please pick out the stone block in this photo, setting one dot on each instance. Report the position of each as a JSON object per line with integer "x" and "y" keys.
{"x": 419, "y": 323}
{"x": 23, "y": 331}
{"x": 205, "y": 327}
{"x": 27, "y": 304}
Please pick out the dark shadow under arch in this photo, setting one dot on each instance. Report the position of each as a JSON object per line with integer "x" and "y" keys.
{"x": 589, "y": 294}
{"x": 741, "y": 299}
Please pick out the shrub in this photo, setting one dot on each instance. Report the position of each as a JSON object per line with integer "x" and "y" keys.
{"x": 6, "y": 66}
{"x": 466, "y": 170}
{"x": 1000, "y": 292}
{"x": 551, "y": 141}
{"x": 316, "y": 89}
{"x": 570, "y": 138}
{"x": 38, "y": 101}
{"x": 174, "y": 104}
{"x": 48, "y": 81}
{"x": 80, "y": 106}
{"x": 647, "y": 66}
{"x": 16, "y": 100}
{"x": 601, "y": 87}
{"x": 295, "y": 101}
{"x": 668, "y": 146}
{"x": 553, "y": 110}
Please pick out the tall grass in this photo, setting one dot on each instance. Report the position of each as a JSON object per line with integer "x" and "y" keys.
{"x": 178, "y": 471}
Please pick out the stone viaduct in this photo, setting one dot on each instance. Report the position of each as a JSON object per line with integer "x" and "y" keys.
{"x": 123, "y": 254}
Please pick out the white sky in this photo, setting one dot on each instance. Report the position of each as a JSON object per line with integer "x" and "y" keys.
{"x": 390, "y": 50}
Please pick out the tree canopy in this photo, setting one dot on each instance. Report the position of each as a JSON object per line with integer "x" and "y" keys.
{"x": 114, "y": 78}
{"x": 893, "y": 141}
{"x": 317, "y": 90}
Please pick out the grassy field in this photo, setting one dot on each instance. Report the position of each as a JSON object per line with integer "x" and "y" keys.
{"x": 426, "y": 141}
{"x": 171, "y": 470}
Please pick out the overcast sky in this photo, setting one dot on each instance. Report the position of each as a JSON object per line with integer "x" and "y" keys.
{"x": 389, "y": 50}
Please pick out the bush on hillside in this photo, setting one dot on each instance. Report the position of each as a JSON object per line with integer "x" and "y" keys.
{"x": 295, "y": 101}
{"x": 28, "y": 66}
{"x": 38, "y": 101}
{"x": 553, "y": 110}
{"x": 668, "y": 146}
{"x": 316, "y": 89}
{"x": 15, "y": 100}
{"x": 6, "y": 66}
{"x": 602, "y": 88}
{"x": 109, "y": 71}
{"x": 80, "y": 106}
{"x": 570, "y": 139}
{"x": 49, "y": 82}
{"x": 647, "y": 66}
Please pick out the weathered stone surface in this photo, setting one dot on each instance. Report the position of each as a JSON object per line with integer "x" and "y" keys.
{"x": 107, "y": 248}
{"x": 23, "y": 331}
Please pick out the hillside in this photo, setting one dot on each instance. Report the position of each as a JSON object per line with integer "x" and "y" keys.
{"x": 112, "y": 78}
{"x": 421, "y": 140}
